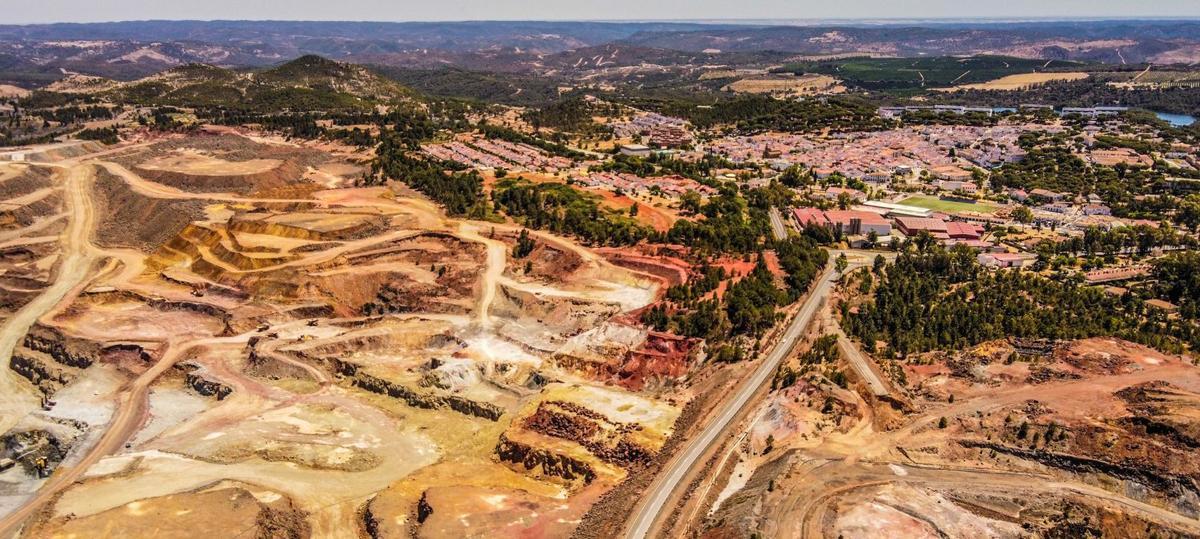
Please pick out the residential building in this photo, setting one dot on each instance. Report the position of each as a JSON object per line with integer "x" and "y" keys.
{"x": 635, "y": 150}
{"x": 1006, "y": 260}
{"x": 1121, "y": 273}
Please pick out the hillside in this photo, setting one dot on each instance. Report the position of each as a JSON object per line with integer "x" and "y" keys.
{"x": 35, "y": 55}
{"x": 1098, "y": 41}
{"x": 306, "y": 83}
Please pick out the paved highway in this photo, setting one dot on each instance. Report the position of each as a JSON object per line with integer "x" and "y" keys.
{"x": 778, "y": 227}
{"x": 656, "y": 499}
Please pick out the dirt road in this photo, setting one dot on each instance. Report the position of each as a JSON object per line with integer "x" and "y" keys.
{"x": 804, "y": 513}
{"x": 78, "y": 257}
{"x": 861, "y": 365}
{"x": 133, "y": 408}
{"x": 497, "y": 256}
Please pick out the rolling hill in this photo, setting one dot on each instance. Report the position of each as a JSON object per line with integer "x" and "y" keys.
{"x": 306, "y": 83}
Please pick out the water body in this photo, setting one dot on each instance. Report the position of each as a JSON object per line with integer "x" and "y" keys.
{"x": 1177, "y": 120}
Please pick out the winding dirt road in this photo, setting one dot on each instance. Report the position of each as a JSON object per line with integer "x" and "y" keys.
{"x": 78, "y": 257}
{"x": 497, "y": 257}
{"x": 133, "y": 408}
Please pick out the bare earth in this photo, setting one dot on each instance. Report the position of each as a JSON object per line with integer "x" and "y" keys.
{"x": 351, "y": 357}
{"x": 1019, "y": 82}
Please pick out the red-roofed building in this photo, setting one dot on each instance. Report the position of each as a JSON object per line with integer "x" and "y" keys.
{"x": 963, "y": 231}
{"x": 911, "y": 226}
{"x": 848, "y": 222}
{"x": 809, "y": 216}
{"x": 853, "y": 222}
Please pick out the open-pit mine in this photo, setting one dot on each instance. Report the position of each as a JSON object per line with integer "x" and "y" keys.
{"x": 219, "y": 331}
{"x": 224, "y": 333}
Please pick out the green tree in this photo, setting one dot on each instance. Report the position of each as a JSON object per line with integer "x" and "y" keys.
{"x": 1022, "y": 214}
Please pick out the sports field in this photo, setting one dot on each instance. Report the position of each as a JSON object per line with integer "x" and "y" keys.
{"x": 937, "y": 204}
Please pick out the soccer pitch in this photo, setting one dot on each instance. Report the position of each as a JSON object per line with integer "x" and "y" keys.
{"x": 937, "y": 204}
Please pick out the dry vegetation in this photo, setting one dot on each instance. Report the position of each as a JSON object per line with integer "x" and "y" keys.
{"x": 808, "y": 84}
{"x": 1020, "y": 82}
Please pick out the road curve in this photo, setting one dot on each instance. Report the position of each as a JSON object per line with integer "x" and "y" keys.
{"x": 133, "y": 407}
{"x": 654, "y": 501}
{"x": 77, "y": 259}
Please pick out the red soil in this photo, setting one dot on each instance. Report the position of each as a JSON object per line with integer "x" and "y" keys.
{"x": 663, "y": 355}
{"x": 651, "y": 216}
{"x": 735, "y": 268}
{"x": 658, "y": 262}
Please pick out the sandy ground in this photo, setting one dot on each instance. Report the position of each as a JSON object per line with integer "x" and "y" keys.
{"x": 808, "y": 84}
{"x": 9, "y": 91}
{"x": 200, "y": 164}
{"x": 198, "y": 407}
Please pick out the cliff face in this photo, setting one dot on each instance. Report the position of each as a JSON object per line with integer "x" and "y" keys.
{"x": 1182, "y": 490}
{"x": 415, "y": 398}
{"x": 602, "y": 437}
{"x": 40, "y": 370}
{"x": 130, "y": 219}
{"x": 545, "y": 461}
{"x": 650, "y": 360}
{"x": 271, "y": 178}
{"x": 50, "y": 360}
{"x": 206, "y": 387}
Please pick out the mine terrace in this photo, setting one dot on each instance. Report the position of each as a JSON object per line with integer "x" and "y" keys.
{"x": 599, "y": 280}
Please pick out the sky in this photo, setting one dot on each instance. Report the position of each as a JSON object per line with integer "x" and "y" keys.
{"x": 40, "y": 11}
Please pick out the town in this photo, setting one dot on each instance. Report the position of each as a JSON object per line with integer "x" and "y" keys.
{"x": 917, "y": 277}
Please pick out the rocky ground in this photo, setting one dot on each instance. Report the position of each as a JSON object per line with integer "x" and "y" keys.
{"x": 1091, "y": 438}
{"x": 255, "y": 342}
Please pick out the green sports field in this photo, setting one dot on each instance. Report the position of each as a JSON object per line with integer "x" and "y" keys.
{"x": 937, "y": 204}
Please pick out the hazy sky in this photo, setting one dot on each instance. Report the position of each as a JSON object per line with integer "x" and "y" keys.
{"x": 34, "y": 11}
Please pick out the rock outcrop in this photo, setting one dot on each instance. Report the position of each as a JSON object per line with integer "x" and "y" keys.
{"x": 545, "y": 461}
{"x": 415, "y": 398}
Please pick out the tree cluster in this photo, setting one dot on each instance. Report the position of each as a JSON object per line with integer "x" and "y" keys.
{"x": 938, "y": 299}
{"x": 563, "y": 209}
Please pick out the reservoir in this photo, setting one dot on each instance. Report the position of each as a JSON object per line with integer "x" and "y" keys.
{"x": 1177, "y": 120}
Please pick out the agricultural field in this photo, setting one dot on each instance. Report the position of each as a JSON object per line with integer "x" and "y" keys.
{"x": 899, "y": 74}
{"x": 807, "y": 84}
{"x": 1022, "y": 81}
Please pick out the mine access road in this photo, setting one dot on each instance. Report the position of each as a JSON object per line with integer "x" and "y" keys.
{"x": 657, "y": 500}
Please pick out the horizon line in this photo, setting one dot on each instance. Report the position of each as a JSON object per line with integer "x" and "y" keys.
{"x": 749, "y": 21}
